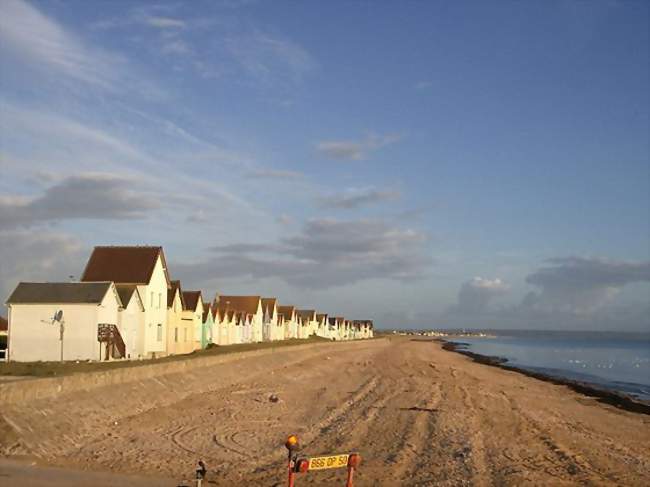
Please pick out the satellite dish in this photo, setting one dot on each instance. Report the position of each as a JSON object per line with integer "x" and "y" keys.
{"x": 58, "y": 316}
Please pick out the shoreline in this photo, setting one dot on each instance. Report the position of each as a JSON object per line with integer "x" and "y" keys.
{"x": 605, "y": 396}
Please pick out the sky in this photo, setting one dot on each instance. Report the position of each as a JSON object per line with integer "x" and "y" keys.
{"x": 423, "y": 164}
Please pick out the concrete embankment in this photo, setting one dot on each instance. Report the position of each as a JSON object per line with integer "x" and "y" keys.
{"x": 49, "y": 416}
{"x": 52, "y": 387}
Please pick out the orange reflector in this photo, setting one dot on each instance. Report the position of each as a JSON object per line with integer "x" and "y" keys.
{"x": 292, "y": 442}
{"x": 354, "y": 460}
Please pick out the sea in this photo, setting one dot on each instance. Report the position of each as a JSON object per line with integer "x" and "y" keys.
{"x": 616, "y": 361}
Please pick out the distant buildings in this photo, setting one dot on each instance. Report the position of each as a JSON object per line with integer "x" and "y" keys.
{"x": 127, "y": 307}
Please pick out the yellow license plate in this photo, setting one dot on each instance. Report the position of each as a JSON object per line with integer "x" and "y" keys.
{"x": 334, "y": 461}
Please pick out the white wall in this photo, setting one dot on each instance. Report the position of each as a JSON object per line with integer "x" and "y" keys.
{"x": 154, "y": 297}
{"x": 34, "y": 338}
{"x": 130, "y": 325}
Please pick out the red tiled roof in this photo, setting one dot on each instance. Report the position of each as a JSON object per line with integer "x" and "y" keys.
{"x": 123, "y": 265}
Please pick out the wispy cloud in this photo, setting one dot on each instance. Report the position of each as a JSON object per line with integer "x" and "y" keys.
{"x": 42, "y": 44}
{"x": 164, "y": 22}
{"x": 85, "y": 196}
{"x": 326, "y": 253}
{"x": 267, "y": 58}
{"x": 32, "y": 35}
{"x": 355, "y": 150}
{"x": 355, "y": 198}
{"x": 275, "y": 174}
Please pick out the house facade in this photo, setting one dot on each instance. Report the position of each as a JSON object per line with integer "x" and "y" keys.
{"x": 131, "y": 319}
{"x": 177, "y": 333}
{"x": 290, "y": 323}
{"x": 270, "y": 321}
{"x": 34, "y": 334}
{"x": 248, "y": 304}
{"x": 309, "y": 322}
{"x": 193, "y": 316}
{"x": 146, "y": 268}
{"x": 322, "y": 329}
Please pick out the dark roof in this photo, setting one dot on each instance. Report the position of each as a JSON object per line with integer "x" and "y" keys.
{"x": 126, "y": 291}
{"x": 269, "y": 303}
{"x": 249, "y": 304}
{"x": 174, "y": 286}
{"x": 191, "y": 299}
{"x": 207, "y": 310}
{"x": 59, "y": 292}
{"x": 321, "y": 317}
{"x": 287, "y": 311}
{"x": 125, "y": 265}
{"x": 307, "y": 314}
{"x": 4, "y": 325}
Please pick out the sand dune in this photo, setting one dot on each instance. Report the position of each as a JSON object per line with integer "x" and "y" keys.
{"x": 419, "y": 415}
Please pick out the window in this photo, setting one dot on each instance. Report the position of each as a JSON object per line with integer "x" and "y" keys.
{"x": 159, "y": 300}
{"x": 185, "y": 335}
{"x": 159, "y": 332}
{"x": 176, "y": 334}
{"x": 151, "y": 302}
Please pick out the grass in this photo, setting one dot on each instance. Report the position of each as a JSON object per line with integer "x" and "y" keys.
{"x": 55, "y": 369}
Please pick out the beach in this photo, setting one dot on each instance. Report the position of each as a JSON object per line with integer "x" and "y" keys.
{"x": 418, "y": 415}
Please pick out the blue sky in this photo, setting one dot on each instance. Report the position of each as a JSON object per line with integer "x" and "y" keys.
{"x": 439, "y": 163}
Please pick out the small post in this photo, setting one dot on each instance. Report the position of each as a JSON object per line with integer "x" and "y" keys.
{"x": 353, "y": 462}
{"x": 291, "y": 444}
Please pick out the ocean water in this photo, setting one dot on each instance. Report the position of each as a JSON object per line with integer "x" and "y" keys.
{"x": 616, "y": 361}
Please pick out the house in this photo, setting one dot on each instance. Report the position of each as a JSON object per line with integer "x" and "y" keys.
{"x": 146, "y": 268}
{"x": 51, "y": 321}
{"x": 309, "y": 323}
{"x": 270, "y": 327}
{"x": 248, "y": 304}
{"x": 208, "y": 324}
{"x": 193, "y": 317}
{"x": 179, "y": 338}
{"x": 279, "y": 332}
{"x": 322, "y": 329}
{"x": 4, "y": 326}
{"x": 337, "y": 327}
{"x": 130, "y": 320}
{"x": 290, "y": 324}
{"x": 221, "y": 327}
{"x": 364, "y": 328}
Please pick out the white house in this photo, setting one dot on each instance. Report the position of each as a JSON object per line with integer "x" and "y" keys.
{"x": 290, "y": 321}
{"x": 249, "y": 305}
{"x": 323, "y": 326}
{"x": 193, "y": 312}
{"x": 130, "y": 320}
{"x": 147, "y": 269}
{"x": 35, "y": 336}
{"x": 270, "y": 330}
{"x": 309, "y": 322}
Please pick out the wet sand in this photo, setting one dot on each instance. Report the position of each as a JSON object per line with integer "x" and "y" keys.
{"x": 418, "y": 414}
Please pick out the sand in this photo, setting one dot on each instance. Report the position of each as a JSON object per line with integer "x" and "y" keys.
{"x": 419, "y": 415}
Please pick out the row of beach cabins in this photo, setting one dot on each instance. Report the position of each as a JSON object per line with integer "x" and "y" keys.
{"x": 126, "y": 306}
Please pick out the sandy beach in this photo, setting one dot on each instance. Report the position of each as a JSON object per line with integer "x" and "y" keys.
{"x": 419, "y": 415}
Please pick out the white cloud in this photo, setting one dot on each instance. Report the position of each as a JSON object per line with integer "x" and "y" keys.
{"x": 355, "y": 150}
{"x": 357, "y": 197}
{"x": 326, "y": 253}
{"x": 165, "y": 22}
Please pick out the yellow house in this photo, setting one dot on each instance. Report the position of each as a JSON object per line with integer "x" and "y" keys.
{"x": 176, "y": 342}
{"x": 193, "y": 317}
{"x": 310, "y": 324}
